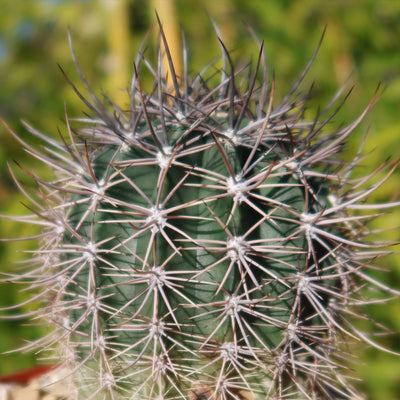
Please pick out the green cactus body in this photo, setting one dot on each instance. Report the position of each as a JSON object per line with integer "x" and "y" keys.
{"x": 201, "y": 246}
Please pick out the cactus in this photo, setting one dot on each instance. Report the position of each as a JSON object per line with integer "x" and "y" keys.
{"x": 204, "y": 243}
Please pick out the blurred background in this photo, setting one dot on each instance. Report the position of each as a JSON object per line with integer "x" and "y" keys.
{"x": 361, "y": 48}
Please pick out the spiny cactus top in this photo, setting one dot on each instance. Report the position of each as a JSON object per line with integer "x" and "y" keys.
{"x": 203, "y": 243}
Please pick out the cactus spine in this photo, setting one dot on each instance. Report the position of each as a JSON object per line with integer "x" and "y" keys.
{"x": 202, "y": 244}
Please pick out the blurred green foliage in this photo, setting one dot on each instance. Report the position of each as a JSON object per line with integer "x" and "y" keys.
{"x": 361, "y": 47}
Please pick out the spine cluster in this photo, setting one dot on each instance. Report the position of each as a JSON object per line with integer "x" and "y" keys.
{"x": 205, "y": 243}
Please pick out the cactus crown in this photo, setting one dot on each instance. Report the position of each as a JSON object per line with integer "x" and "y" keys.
{"x": 203, "y": 243}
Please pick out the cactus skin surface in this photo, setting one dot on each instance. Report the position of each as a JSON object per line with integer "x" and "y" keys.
{"x": 204, "y": 243}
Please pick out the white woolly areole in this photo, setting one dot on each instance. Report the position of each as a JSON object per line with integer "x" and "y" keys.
{"x": 237, "y": 248}
{"x": 156, "y": 277}
{"x": 59, "y": 229}
{"x": 125, "y": 146}
{"x": 90, "y": 251}
{"x": 229, "y": 135}
{"x": 293, "y": 165}
{"x": 107, "y": 381}
{"x": 237, "y": 188}
{"x": 100, "y": 342}
{"x": 334, "y": 200}
{"x": 164, "y": 157}
{"x": 308, "y": 220}
{"x": 156, "y": 219}
{"x": 66, "y": 322}
{"x": 180, "y": 116}
{"x": 233, "y": 305}
{"x": 291, "y": 332}
{"x": 228, "y": 350}
{"x": 98, "y": 190}
{"x": 91, "y": 302}
{"x": 157, "y": 328}
{"x": 160, "y": 366}
{"x": 303, "y": 283}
